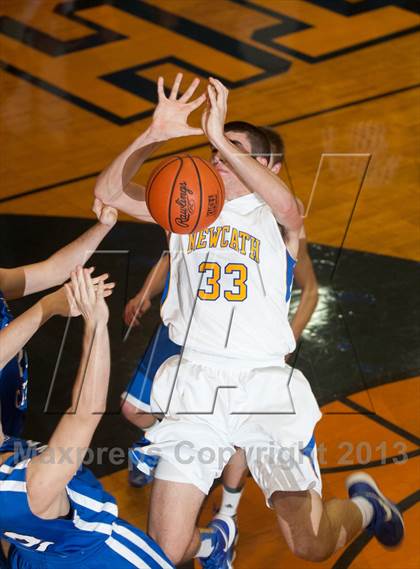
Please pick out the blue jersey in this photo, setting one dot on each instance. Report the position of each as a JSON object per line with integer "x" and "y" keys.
{"x": 90, "y": 536}
{"x": 160, "y": 348}
{"x": 13, "y": 383}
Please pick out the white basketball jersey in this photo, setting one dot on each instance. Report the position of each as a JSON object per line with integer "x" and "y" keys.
{"x": 230, "y": 286}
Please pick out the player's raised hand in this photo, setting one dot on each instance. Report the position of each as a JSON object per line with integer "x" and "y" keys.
{"x": 214, "y": 116}
{"x": 86, "y": 295}
{"x": 170, "y": 119}
{"x": 61, "y": 301}
{"x": 106, "y": 214}
{"x": 135, "y": 308}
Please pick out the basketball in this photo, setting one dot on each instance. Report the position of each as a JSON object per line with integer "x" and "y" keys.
{"x": 185, "y": 194}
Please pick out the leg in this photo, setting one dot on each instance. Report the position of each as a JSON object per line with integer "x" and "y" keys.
{"x": 290, "y": 480}
{"x": 315, "y": 530}
{"x": 139, "y": 418}
{"x": 236, "y": 471}
{"x": 171, "y": 502}
{"x": 234, "y": 478}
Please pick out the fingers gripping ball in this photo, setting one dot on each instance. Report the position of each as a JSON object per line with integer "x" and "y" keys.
{"x": 185, "y": 194}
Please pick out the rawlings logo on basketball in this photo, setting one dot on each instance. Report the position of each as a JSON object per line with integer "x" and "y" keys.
{"x": 186, "y": 205}
{"x": 212, "y": 205}
{"x": 184, "y": 194}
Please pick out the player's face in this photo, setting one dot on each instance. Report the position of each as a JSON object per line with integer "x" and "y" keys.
{"x": 230, "y": 179}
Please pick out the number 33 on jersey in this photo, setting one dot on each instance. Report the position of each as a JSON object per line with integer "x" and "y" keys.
{"x": 230, "y": 284}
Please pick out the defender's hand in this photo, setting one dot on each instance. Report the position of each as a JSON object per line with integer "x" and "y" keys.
{"x": 61, "y": 304}
{"x": 106, "y": 214}
{"x": 170, "y": 119}
{"x": 87, "y": 298}
{"x": 135, "y": 308}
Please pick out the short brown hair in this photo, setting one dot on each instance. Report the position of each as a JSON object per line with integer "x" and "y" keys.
{"x": 260, "y": 144}
{"x": 276, "y": 144}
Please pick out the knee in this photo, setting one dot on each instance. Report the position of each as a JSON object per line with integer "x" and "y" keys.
{"x": 128, "y": 410}
{"x": 311, "y": 549}
{"x": 171, "y": 548}
{"x": 138, "y": 418}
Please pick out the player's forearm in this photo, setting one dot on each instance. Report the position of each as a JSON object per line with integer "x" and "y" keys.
{"x": 78, "y": 251}
{"x": 56, "y": 269}
{"x": 76, "y": 428}
{"x": 14, "y": 337}
{"x": 49, "y": 473}
{"x": 155, "y": 280}
{"x": 261, "y": 180}
{"x": 113, "y": 181}
{"x": 91, "y": 386}
{"x": 305, "y": 309}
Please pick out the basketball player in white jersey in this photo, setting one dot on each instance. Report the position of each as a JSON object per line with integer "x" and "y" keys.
{"x": 136, "y": 398}
{"x": 227, "y": 305}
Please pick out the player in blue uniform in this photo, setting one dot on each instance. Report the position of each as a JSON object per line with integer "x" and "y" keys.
{"x": 13, "y": 381}
{"x": 22, "y": 281}
{"x": 136, "y": 398}
{"x": 53, "y": 511}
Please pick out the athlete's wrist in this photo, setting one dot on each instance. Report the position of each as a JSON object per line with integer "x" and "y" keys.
{"x": 49, "y": 306}
{"x": 219, "y": 140}
{"x": 154, "y": 134}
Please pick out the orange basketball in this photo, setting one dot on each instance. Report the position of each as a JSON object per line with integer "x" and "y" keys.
{"x": 185, "y": 194}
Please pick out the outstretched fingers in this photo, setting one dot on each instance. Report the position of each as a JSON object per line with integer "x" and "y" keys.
{"x": 90, "y": 289}
{"x": 197, "y": 102}
{"x": 161, "y": 89}
{"x": 100, "y": 291}
{"x": 175, "y": 87}
{"x": 190, "y": 91}
{"x": 80, "y": 275}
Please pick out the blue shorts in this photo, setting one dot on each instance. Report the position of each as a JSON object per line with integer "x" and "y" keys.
{"x": 160, "y": 348}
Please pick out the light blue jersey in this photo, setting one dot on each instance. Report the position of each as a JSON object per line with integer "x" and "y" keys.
{"x": 13, "y": 383}
{"x": 91, "y": 536}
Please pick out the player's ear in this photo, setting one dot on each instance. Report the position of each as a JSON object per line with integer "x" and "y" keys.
{"x": 262, "y": 160}
{"x": 276, "y": 168}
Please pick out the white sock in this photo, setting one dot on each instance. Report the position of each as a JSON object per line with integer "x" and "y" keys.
{"x": 230, "y": 501}
{"x": 208, "y": 541}
{"x": 365, "y": 508}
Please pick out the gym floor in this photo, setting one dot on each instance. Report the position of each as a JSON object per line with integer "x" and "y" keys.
{"x": 340, "y": 81}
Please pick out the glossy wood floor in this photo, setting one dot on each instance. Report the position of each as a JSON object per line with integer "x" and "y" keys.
{"x": 339, "y": 80}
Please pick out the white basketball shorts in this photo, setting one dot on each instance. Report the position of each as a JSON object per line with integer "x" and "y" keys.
{"x": 210, "y": 410}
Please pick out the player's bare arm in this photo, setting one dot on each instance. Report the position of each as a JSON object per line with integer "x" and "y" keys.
{"x": 54, "y": 271}
{"x": 47, "y": 476}
{"x": 153, "y": 285}
{"x": 20, "y": 330}
{"x": 305, "y": 279}
{"x": 253, "y": 173}
{"x": 170, "y": 120}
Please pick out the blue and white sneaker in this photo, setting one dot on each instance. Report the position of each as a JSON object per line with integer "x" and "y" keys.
{"x": 225, "y": 535}
{"x": 141, "y": 466}
{"x": 387, "y": 524}
{"x": 232, "y": 550}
